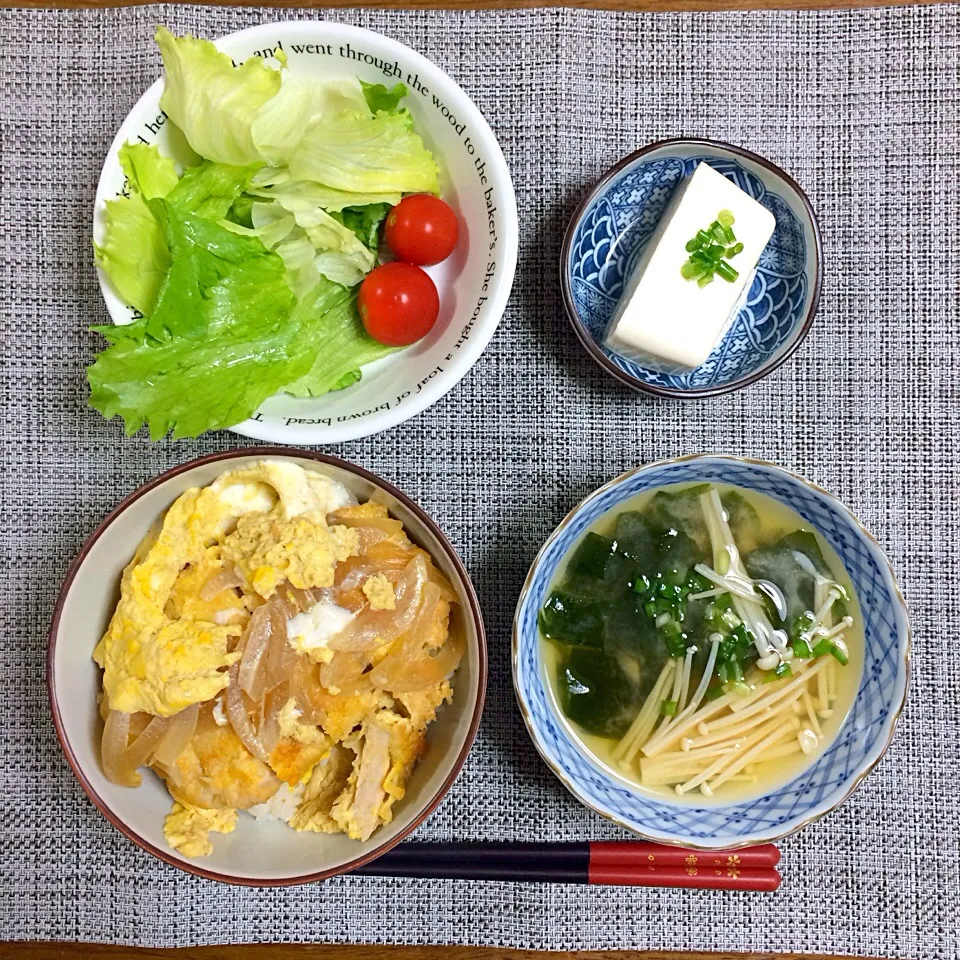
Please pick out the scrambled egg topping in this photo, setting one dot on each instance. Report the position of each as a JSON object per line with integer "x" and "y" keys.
{"x": 299, "y": 747}
{"x": 186, "y": 602}
{"x": 187, "y": 828}
{"x": 269, "y": 550}
{"x": 171, "y": 642}
{"x": 290, "y": 725}
{"x": 152, "y": 663}
{"x": 379, "y": 591}
{"x": 162, "y": 653}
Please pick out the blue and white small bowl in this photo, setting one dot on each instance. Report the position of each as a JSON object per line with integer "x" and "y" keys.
{"x": 619, "y": 215}
{"x": 860, "y": 742}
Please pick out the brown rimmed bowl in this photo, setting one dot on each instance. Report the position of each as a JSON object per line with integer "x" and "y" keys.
{"x": 256, "y": 853}
{"x": 619, "y": 214}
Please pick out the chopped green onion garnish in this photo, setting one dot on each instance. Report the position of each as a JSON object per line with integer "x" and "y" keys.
{"x": 727, "y": 272}
{"x": 671, "y": 628}
{"x": 838, "y": 655}
{"x": 668, "y": 708}
{"x": 821, "y": 648}
{"x": 801, "y": 649}
{"x": 783, "y": 670}
{"x": 641, "y": 584}
{"x": 707, "y": 250}
{"x": 770, "y": 676}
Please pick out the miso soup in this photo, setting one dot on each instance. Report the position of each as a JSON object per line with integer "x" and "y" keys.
{"x": 703, "y": 640}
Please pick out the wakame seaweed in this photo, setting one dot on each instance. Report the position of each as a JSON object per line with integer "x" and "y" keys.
{"x": 631, "y": 598}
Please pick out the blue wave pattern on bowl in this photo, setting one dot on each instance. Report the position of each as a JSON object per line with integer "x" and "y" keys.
{"x": 864, "y": 733}
{"x": 615, "y": 228}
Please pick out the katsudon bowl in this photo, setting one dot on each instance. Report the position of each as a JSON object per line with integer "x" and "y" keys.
{"x": 257, "y": 852}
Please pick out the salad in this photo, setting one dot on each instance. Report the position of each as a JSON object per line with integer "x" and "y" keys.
{"x": 256, "y": 268}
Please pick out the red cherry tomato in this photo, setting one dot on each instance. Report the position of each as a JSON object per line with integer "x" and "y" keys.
{"x": 421, "y": 229}
{"x": 398, "y": 303}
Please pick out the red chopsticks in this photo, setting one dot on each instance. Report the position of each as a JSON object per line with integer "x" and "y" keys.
{"x": 635, "y": 864}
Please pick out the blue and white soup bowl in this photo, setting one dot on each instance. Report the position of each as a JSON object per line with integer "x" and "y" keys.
{"x": 784, "y": 809}
{"x": 619, "y": 215}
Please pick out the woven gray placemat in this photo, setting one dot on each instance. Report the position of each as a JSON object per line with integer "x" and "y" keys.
{"x": 862, "y": 108}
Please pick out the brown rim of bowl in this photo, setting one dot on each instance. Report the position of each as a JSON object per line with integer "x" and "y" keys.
{"x": 267, "y": 451}
{"x": 693, "y": 844}
{"x": 591, "y": 345}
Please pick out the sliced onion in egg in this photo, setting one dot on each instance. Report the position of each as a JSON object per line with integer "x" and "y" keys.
{"x": 224, "y": 579}
{"x": 180, "y": 729}
{"x": 239, "y": 718}
{"x": 374, "y": 628}
{"x": 255, "y": 643}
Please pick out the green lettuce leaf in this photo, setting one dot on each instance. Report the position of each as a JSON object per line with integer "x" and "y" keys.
{"x": 202, "y": 256}
{"x": 379, "y": 98}
{"x": 241, "y": 212}
{"x": 364, "y": 221}
{"x": 339, "y": 253}
{"x": 342, "y": 347}
{"x": 347, "y": 380}
{"x": 270, "y": 234}
{"x": 212, "y": 101}
{"x": 134, "y": 253}
{"x": 272, "y": 183}
{"x": 210, "y": 189}
{"x": 254, "y": 341}
{"x": 379, "y": 154}
{"x": 148, "y": 173}
{"x": 302, "y": 102}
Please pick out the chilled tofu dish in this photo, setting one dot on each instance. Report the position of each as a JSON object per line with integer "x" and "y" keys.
{"x": 278, "y": 648}
{"x": 693, "y": 275}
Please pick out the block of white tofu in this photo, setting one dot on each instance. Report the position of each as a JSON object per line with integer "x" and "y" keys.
{"x": 665, "y": 321}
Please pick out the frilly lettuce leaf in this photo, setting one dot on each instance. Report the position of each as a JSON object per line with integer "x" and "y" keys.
{"x": 134, "y": 253}
{"x": 364, "y": 221}
{"x": 371, "y": 154}
{"x": 212, "y": 101}
{"x": 210, "y": 189}
{"x": 148, "y": 173}
{"x": 327, "y": 233}
{"x": 254, "y": 338}
{"x": 301, "y": 102}
{"x": 347, "y": 380}
{"x": 272, "y": 183}
{"x": 202, "y": 255}
{"x": 312, "y": 242}
{"x": 379, "y": 97}
{"x": 341, "y": 344}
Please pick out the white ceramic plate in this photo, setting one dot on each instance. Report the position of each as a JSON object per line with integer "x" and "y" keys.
{"x": 268, "y": 853}
{"x": 474, "y": 284}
